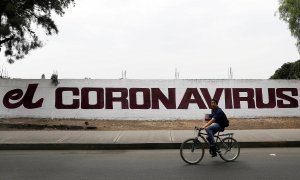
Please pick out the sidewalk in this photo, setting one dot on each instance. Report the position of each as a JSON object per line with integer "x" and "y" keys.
{"x": 155, "y": 139}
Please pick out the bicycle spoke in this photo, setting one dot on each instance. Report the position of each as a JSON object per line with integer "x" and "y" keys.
{"x": 229, "y": 149}
{"x": 192, "y": 151}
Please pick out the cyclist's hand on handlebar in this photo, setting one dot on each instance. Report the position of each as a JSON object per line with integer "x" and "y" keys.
{"x": 202, "y": 127}
{"x": 199, "y": 128}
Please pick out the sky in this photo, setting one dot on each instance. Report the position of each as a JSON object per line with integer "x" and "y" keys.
{"x": 150, "y": 39}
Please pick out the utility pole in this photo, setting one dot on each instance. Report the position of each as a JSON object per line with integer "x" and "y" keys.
{"x": 230, "y": 73}
{"x": 124, "y": 74}
{"x": 176, "y": 74}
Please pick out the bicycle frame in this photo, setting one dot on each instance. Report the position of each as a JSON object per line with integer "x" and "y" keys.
{"x": 192, "y": 149}
{"x": 217, "y": 137}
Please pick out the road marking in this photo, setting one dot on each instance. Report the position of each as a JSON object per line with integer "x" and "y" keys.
{"x": 117, "y": 137}
{"x": 170, "y": 137}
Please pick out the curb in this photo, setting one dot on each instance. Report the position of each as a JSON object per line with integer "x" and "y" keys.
{"x": 45, "y": 126}
{"x": 78, "y": 146}
{"x": 136, "y": 146}
{"x": 269, "y": 144}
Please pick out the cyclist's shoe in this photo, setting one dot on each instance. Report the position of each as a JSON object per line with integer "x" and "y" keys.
{"x": 212, "y": 150}
{"x": 218, "y": 149}
{"x": 214, "y": 154}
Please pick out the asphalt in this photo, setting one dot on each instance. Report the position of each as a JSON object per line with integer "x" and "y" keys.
{"x": 154, "y": 139}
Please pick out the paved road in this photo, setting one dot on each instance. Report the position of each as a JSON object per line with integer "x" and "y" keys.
{"x": 258, "y": 163}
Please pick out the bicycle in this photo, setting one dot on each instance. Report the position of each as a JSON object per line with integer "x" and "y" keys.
{"x": 192, "y": 150}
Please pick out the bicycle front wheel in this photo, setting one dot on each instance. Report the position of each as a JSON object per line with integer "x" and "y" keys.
{"x": 192, "y": 151}
{"x": 229, "y": 149}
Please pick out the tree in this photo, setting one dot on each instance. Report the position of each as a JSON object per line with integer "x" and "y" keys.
{"x": 18, "y": 20}
{"x": 288, "y": 71}
{"x": 289, "y": 11}
{"x": 295, "y": 70}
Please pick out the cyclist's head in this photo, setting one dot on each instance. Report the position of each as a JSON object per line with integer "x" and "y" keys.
{"x": 214, "y": 100}
{"x": 214, "y": 103}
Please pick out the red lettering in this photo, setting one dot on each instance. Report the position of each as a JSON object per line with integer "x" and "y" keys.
{"x": 85, "y": 100}
{"x": 16, "y": 94}
{"x": 228, "y": 98}
{"x": 187, "y": 99}
{"x": 133, "y": 98}
{"x": 110, "y": 98}
{"x": 59, "y": 99}
{"x": 169, "y": 102}
{"x": 293, "y": 103}
{"x": 207, "y": 96}
{"x": 249, "y": 98}
{"x": 145, "y": 98}
{"x": 259, "y": 98}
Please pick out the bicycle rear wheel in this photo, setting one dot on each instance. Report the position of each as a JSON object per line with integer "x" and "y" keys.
{"x": 229, "y": 149}
{"x": 192, "y": 151}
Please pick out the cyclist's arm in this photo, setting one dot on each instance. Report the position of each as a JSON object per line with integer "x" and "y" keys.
{"x": 209, "y": 123}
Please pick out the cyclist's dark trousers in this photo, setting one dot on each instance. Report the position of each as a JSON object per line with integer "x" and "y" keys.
{"x": 211, "y": 130}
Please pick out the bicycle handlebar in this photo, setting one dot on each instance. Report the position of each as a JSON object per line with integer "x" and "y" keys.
{"x": 196, "y": 128}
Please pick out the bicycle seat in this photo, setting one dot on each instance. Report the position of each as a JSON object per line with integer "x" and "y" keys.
{"x": 222, "y": 130}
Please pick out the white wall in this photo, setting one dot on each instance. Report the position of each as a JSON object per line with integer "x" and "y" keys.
{"x": 289, "y": 96}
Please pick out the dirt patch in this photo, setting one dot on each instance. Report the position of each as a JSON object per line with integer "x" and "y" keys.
{"x": 114, "y": 125}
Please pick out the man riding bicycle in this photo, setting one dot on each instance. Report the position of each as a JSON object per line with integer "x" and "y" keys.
{"x": 218, "y": 121}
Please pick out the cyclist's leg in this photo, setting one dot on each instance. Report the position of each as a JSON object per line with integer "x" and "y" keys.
{"x": 211, "y": 130}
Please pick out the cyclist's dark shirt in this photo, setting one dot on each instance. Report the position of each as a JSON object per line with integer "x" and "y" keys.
{"x": 219, "y": 116}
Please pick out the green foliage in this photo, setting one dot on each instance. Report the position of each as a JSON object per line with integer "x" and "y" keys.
{"x": 288, "y": 71}
{"x": 295, "y": 70}
{"x": 289, "y": 11}
{"x": 18, "y": 17}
